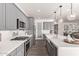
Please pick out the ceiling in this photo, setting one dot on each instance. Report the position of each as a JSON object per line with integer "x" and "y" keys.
{"x": 46, "y": 10}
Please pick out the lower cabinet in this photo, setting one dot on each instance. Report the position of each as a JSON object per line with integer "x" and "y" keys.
{"x": 51, "y": 48}
{"x": 18, "y": 51}
{"x": 32, "y": 41}
{"x": 13, "y": 53}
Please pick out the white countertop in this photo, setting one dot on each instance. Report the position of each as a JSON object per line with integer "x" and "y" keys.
{"x": 63, "y": 49}
{"x": 9, "y": 46}
{"x": 59, "y": 41}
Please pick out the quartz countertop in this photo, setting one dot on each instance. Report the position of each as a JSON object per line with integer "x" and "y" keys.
{"x": 9, "y": 46}
{"x": 59, "y": 41}
{"x": 63, "y": 49}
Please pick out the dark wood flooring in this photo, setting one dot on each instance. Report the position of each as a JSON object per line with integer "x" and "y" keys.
{"x": 38, "y": 49}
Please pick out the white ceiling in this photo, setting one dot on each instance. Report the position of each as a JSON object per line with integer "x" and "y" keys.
{"x": 45, "y": 10}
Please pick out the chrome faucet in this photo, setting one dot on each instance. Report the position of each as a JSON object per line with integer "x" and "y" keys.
{"x": 15, "y": 33}
{"x": 25, "y": 32}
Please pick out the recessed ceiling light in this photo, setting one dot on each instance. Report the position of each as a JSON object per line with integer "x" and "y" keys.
{"x": 61, "y": 20}
{"x": 55, "y": 22}
{"x": 38, "y": 10}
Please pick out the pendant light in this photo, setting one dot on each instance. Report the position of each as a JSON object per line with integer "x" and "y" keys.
{"x": 71, "y": 16}
{"x": 55, "y": 18}
{"x": 60, "y": 20}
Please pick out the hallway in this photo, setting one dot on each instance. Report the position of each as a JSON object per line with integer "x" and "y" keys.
{"x": 38, "y": 49}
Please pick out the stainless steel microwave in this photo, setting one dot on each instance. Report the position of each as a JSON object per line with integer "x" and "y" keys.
{"x": 20, "y": 24}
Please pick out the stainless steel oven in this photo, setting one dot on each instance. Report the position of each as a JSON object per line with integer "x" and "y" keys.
{"x": 26, "y": 47}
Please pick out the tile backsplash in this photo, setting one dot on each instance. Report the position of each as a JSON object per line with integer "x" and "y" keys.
{"x": 7, "y": 35}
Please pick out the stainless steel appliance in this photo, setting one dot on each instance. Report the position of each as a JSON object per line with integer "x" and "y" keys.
{"x": 20, "y": 24}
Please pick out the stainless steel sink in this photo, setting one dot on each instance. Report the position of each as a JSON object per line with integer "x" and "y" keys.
{"x": 20, "y": 38}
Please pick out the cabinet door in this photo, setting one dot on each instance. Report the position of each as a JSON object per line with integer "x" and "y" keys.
{"x": 11, "y": 16}
{"x": 51, "y": 48}
{"x": 22, "y": 17}
{"x": 30, "y": 25}
{"x": 20, "y": 50}
{"x": 32, "y": 41}
{"x": 2, "y": 16}
{"x": 13, "y": 53}
{"x": 48, "y": 47}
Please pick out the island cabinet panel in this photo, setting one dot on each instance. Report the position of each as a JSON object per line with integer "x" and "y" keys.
{"x": 51, "y": 48}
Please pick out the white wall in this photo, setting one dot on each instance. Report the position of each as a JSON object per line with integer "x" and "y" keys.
{"x": 60, "y": 28}
{"x": 41, "y": 21}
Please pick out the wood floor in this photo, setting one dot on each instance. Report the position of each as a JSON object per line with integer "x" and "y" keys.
{"x": 38, "y": 49}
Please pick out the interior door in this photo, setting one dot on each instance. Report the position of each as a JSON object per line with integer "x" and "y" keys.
{"x": 39, "y": 30}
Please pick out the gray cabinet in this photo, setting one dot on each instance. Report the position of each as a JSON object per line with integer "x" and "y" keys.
{"x": 51, "y": 48}
{"x": 9, "y": 13}
{"x": 32, "y": 41}
{"x": 13, "y": 53}
{"x": 48, "y": 49}
{"x": 30, "y": 25}
{"x": 11, "y": 16}
{"x": 2, "y": 16}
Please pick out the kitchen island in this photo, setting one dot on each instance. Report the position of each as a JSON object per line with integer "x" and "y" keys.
{"x": 60, "y": 48}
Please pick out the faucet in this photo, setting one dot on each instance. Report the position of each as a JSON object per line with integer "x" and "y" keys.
{"x": 15, "y": 33}
{"x": 25, "y": 32}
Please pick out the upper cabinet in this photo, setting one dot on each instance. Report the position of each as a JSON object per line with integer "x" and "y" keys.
{"x": 2, "y": 16}
{"x": 30, "y": 25}
{"x": 11, "y": 17}
{"x": 9, "y": 13}
{"x": 22, "y": 17}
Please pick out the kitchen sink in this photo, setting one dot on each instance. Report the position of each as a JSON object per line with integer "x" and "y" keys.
{"x": 20, "y": 38}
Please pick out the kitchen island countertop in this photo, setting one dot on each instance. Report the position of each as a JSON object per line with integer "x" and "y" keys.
{"x": 63, "y": 49}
